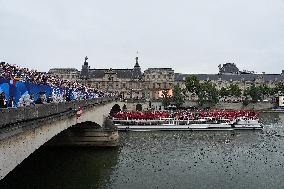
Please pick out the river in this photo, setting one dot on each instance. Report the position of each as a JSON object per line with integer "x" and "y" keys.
{"x": 175, "y": 159}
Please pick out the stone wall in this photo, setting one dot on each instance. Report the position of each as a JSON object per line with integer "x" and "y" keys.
{"x": 239, "y": 106}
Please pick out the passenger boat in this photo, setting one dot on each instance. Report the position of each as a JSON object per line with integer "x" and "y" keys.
{"x": 244, "y": 123}
{"x": 198, "y": 124}
{"x": 187, "y": 120}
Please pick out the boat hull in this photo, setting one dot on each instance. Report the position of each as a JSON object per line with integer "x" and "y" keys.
{"x": 193, "y": 127}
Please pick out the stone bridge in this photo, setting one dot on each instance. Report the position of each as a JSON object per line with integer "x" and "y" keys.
{"x": 23, "y": 130}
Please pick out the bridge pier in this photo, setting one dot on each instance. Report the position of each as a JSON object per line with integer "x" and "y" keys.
{"x": 86, "y": 134}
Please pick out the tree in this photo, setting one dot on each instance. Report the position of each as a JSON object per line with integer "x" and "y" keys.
{"x": 178, "y": 98}
{"x": 192, "y": 84}
{"x": 234, "y": 90}
{"x": 223, "y": 92}
{"x": 265, "y": 90}
{"x": 279, "y": 88}
{"x": 254, "y": 92}
{"x": 207, "y": 93}
{"x": 166, "y": 100}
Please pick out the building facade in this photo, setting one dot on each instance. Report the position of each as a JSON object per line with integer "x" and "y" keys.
{"x": 132, "y": 83}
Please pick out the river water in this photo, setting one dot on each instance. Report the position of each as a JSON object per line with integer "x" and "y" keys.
{"x": 175, "y": 159}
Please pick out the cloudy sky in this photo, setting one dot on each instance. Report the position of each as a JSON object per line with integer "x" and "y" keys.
{"x": 191, "y": 36}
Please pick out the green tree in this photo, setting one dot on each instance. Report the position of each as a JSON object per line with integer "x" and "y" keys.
{"x": 279, "y": 88}
{"x": 166, "y": 99}
{"x": 178, "y": 98}
{"x": 207, "y": 93}
{"x": 234, "y": 90}
{"x": 223, "y": 92}
{"x": 265, "y": 90}
{"x": 254, "y": 92}
{"x": 192, "y": 84}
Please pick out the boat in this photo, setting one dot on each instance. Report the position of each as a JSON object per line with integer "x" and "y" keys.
{"x": 187, "y": 120}
{"x": 245, "y": 123}
{"x": 168, "y": 124}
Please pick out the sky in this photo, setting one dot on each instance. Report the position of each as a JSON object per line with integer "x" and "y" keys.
{"x": 190, "y": 36}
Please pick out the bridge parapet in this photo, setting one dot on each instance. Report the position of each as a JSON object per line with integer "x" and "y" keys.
{"x": 12, "y": 116}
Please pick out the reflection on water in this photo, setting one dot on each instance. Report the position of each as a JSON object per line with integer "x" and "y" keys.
{"x": 228, "y": 159}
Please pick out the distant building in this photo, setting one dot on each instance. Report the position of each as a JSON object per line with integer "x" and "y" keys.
{"x": 65, "y": 73}
{"x": 157, "y": 80}
{"x": 132, "y": 83}
{"x": 244, "y": 81}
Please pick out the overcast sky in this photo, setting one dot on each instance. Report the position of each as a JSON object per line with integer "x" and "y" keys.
{"x": 191, "y": 36}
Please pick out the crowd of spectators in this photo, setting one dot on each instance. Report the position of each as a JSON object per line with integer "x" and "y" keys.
{"x": 50, "y": 88}
{"x": 187, "y": 115}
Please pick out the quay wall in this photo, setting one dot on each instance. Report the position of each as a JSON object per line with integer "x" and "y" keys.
{"x": 239, "y": 106}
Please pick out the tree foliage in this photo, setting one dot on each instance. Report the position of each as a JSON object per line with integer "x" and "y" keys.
{"x": 279, "y": 88}
{"x": 192, "y": 84}
{"x": 166, "y": 99}
{"x": 258, "y": 92}
{"x": 223, "y": 92}
{"x": 254, "y": 92}
{"x": 234, "y": 90}
{"x": 207, "y": 93}
{"x": 178, "y": 98}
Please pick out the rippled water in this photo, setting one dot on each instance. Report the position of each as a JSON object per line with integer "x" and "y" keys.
{"x": 227, "y": 159}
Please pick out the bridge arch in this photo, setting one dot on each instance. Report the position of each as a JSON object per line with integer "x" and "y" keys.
{"x": 116, "y": 108}
{"x": 37, "y": 125}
